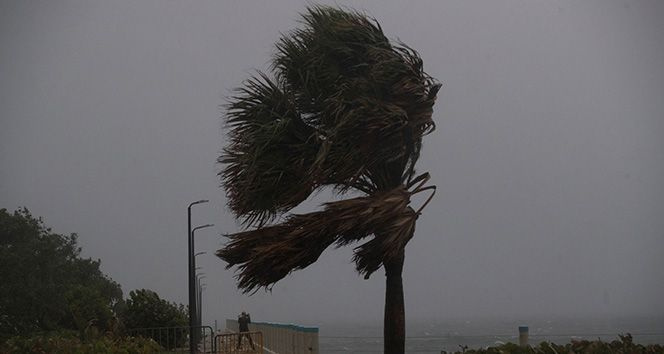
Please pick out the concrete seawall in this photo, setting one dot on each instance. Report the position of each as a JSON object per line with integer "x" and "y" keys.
{"x": 283, "y": 338}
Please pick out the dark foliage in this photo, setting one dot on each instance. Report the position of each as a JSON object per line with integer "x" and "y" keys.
{"x": 49, "y": 290}
{"x": 145, "y": 309}
{"x": 46, "y": 285}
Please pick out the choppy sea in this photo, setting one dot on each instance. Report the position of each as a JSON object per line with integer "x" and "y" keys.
{"x": 435, "y": 336}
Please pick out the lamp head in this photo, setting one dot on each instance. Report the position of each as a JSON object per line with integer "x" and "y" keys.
{"x": 201, "y": 227}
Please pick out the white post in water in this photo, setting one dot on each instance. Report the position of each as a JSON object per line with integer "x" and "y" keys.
{"x": 523, "y": 336}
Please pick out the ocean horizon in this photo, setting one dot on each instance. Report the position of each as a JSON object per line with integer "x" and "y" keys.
{"x": 434, "y": 336}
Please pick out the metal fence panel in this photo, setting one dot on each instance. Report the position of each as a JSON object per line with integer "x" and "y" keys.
{"x": 176, "y": 339}
{"x": 246, "y": 342}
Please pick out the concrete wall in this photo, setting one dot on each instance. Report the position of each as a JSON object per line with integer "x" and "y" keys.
{"x": 282, "y": 338}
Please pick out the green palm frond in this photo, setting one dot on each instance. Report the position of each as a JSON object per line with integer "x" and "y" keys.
{"x": 269, "y": 152}
{"x": 345, "y": 103}
{"x": 370, "y": 98}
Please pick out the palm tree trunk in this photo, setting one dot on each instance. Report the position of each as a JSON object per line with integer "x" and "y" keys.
{"x": 394, "y": 326}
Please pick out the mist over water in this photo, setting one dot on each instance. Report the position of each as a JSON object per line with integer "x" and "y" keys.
{"x": 436, "y": 335}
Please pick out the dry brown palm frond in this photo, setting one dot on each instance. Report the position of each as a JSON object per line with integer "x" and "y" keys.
{"x": 266, "y": 255}
{"x": 389, "y": 240}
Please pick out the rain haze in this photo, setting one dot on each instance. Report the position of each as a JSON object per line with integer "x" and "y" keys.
{"x": 548, "y": 153}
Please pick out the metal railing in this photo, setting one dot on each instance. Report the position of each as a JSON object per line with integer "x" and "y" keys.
{"x": 176, "y": 339}
{"x": 245, "y": 342}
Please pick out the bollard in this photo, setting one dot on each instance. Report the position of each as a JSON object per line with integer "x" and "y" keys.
{"x": 523, "y": 336}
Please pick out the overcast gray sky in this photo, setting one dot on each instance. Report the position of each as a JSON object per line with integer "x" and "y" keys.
{"x": 548, "y": 154}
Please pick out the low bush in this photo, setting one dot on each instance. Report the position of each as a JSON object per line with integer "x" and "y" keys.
{"x": 623, "y": 345}
{"x": 73, "y": 345}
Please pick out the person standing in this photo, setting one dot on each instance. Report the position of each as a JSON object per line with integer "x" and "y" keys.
{"x": 244, "y": 320}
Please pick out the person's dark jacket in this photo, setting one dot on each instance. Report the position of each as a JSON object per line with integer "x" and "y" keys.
{"x": 244, "y": 322}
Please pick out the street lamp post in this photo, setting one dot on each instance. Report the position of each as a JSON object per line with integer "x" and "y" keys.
{"x": 193, "y": 248}
{"x": 193, "y": 296}
{"x": 199, "y": 276}
{"x": 199, "y": 306}
{"x": 200, "y": 301}
{"x": 190, "y": 266}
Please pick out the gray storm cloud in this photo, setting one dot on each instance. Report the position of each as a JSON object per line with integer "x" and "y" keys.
{"x": 547, "y": 157}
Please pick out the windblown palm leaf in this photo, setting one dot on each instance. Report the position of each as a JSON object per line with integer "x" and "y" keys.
{"x": 268, "y": 254}
{"x": 345, "y": 108}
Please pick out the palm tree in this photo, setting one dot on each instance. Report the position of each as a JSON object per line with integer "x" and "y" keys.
{"x": 345, "y": 108}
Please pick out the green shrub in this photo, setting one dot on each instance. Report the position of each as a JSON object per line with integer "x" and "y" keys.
{"x": 73, "y": 345}
{"x": 624, "y": 345}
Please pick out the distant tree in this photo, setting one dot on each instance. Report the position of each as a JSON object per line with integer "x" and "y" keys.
{"x": 46, "y": 284}
{"x": 347, "y": 108}
{"x": 87, "y": 308}
{"x": 145, "y": 309}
